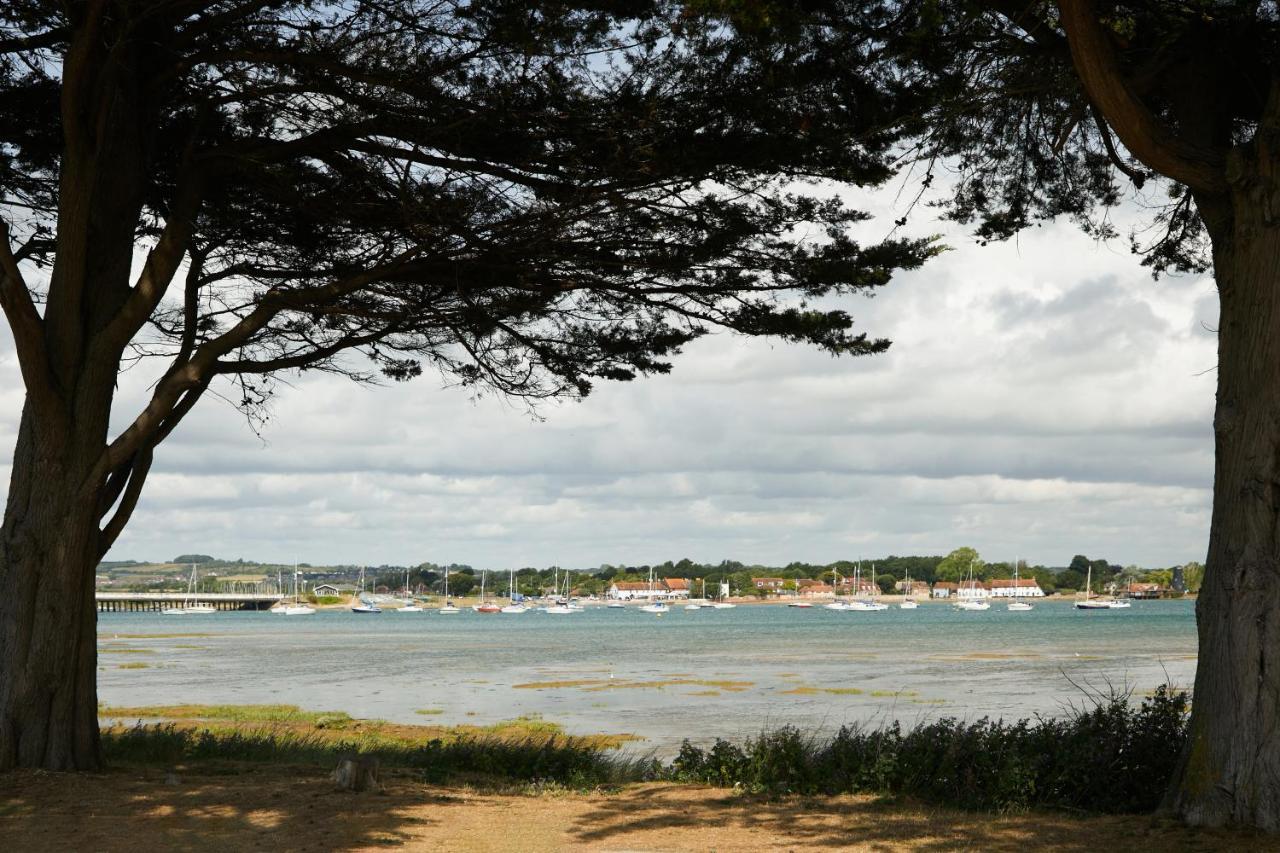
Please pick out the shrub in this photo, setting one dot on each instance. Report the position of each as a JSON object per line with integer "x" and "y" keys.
{"x": 1110, "y": 757}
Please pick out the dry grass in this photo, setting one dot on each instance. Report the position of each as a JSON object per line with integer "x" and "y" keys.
{"x": 805, "y": 690}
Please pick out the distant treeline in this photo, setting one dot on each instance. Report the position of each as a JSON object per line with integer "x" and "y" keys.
{"x": 463, "y": 578}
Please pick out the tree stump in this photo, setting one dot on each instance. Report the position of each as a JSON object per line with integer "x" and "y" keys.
{"x": 357, "y": 773}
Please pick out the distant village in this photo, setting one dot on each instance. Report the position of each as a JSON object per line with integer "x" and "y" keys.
{"x": 958, "y": 575}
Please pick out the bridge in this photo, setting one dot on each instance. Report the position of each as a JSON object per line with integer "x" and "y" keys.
{"x": 113, "y": 602}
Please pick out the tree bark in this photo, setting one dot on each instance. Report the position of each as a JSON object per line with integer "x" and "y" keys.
{"x": 48, "y": 643}
{"x": 1230, "y": 769}
{"x": 51, "y": 541}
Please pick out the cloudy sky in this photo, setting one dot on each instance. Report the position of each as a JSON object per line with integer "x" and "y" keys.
{"x": 1042, "y": 398}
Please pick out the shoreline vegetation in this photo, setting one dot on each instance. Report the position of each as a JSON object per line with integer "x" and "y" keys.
{"x": 208, "y": 778}
{"x": 1112, "y": 755}
{"x": 228, "y": 776}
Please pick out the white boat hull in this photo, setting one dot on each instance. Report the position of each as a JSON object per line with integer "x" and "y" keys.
{"x": 866, "y": 607}
{"x": 1018, "y": 606}
{"x": 908, "y": 605}
{"x": 973, "y": 605}
{"x": 299, "y": 610}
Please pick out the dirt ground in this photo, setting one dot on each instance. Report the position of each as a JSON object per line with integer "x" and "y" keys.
{"x": 298, "y": 809}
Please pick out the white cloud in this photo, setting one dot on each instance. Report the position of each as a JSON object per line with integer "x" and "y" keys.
{"x": 1042, "y": 398}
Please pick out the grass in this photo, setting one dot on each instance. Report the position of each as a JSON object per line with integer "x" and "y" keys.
{"x": 231, "y": 714}
{"x": 338, "y": 726}
{"x": 805, "y": 690}
{"x": 1112, "y": 756}
{"x": 124, "y": 650}
{"x": 429, "y": 712}
{"x": 133, "y": 665}
{"x": 469, "y": 758}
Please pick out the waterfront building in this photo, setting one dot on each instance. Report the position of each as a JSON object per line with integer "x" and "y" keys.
{"x": 1021, "y": 588}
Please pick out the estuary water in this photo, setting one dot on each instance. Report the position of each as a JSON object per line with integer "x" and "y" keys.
{"x": 686, "y": 674}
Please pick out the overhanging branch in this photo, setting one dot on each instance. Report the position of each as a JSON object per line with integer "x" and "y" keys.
{"x": 1146, "y": 137}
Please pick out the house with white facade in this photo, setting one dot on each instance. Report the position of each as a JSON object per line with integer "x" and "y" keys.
{"x": 663, "y": 590}
{"x": 944, "y": 589}
{"x": 973, "y": 590}
{"x": 1021, "y": 588}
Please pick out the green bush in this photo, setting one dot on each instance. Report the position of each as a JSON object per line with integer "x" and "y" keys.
{"x": 1111, "y": 757}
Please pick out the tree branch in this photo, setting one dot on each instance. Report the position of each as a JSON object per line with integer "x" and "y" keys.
{"x": 201, "y": 367}
{"x": 128, "y": 501}
{"x": 25, "y": 321}
{"x": 162, "y": 263}
{"x": 1146, "y": 137}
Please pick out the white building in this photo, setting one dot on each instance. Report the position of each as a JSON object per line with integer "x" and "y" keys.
{"x": 1022, "y": 588}
{"x": 973, "y": 590}
{"x": 663, "y": 590}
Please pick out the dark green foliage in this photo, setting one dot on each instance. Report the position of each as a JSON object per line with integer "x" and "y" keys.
{"x": 1112, "y": 757}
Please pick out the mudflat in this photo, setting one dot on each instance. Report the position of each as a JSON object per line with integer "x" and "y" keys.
{"x": 271, "y": 807}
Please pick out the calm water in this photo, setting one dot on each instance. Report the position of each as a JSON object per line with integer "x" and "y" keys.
{"x": 908, "y": 665}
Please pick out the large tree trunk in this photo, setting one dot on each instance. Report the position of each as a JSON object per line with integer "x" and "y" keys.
{"x": 51, "y": 540}
{"x": 48, "y": 647}
{"x": 1230, "y": 770}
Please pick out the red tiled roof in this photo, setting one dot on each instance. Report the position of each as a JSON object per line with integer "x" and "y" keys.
{"x": 1022, "y": 582}
{"x": 676, "y": 583}
{"x": 631, "y": 585}
{"x": 944, "y": 585}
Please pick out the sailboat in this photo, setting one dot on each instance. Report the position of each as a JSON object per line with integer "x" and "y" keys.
{"x": 658, "y": 607}
{"x": 1017, "y": 605}
{"x": 297, "y": 608}
{"x": 516, "y": 598}
{"x": 837, "y": 603}
{"x": 563, "y": 604}
{"x": 1091, "y": 603}
{"x": 908, "y": 603}
{"x": 280, "y": 606}
{"x": 409, "y": 605}
{"x": 189, "y": 604}
{"x": 447, "y": 607}
{"x": 861, "y": 604}
{"x": 364, "y": 606}
{"x": 181, "y": 609}
{"x": 971, "y": 603}
{"x": 484, "y": 606}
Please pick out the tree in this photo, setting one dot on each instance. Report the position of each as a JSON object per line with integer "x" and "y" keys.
{"x": 460, "y": 583}
{"x": 1037, "y": 110}
{"x": 526, "y": 199}
{"x": 1193, "y": 575}
{"x": 957, "y": 565}
{"x": 886, "y": 582}
{"x": 1069, "y": 579}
